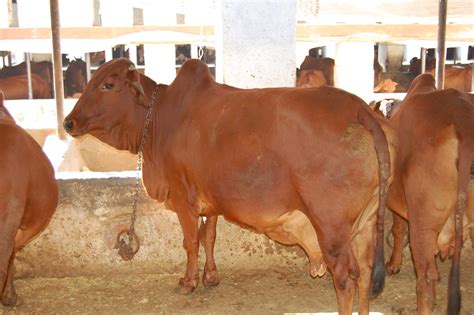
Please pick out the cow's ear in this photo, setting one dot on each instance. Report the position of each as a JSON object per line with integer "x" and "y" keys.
{"x": 136, "y": 88}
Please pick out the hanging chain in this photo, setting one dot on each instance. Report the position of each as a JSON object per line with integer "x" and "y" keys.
{"x": 128, "y": 250}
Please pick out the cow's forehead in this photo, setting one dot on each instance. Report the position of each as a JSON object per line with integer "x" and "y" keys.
{"x": 113, "y": 67}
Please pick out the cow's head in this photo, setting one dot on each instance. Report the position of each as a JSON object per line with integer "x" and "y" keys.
{"x": 112, "y": 107}
{"x": 75, "y": 77}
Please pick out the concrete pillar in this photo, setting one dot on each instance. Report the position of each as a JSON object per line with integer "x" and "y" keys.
{"x": 256, "y": 43}
{"x": 4, "y": 13}
{"x": 382, "y": 57}
{"x": 354, "y": 70}
{"x": 461, "y": 54}
{"x": 395, "y": 57}
{"x": 160, "y": 59}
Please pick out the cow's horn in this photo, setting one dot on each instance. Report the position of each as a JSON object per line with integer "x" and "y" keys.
{"x": 139, "y": 87}
{"x": 131, "y": 67}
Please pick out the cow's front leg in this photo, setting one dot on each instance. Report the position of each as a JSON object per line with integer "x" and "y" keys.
{"x": 189, "y": 224}
{"x": 207, "y": 236}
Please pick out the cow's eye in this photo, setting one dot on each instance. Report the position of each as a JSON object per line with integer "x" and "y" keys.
{"x": 107, "y": 86}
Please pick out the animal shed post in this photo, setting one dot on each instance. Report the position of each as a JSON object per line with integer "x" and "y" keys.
{"x": 57, "y": 67}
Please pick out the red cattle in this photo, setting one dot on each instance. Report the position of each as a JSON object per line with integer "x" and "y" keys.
{"x": 28, "y": 196}
{"x": 16, "y": 87}
{"x": 44, "y": 69}
{"x": 75, "y": 77}
{"x": 325, "y": 65}
{"x": 455, "y": 77}
{"x": 430, "y": 187}
{"x": 459, "y": 78}
{"x": 311, "y": 78}
{"x": 287, "y": 162}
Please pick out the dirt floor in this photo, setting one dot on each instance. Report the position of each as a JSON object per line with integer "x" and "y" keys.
{"x": 274, "y": 291}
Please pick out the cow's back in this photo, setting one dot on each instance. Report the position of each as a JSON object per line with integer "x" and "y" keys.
{"x": 16, "y": 87}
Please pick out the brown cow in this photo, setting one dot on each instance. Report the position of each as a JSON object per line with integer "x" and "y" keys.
{"x": 311, "y": 78}
{"x": 16, "y": 87}
{"x": 286, "y": 162}
{"x": 459, "y": 78}
{"x": 455, "y": 76}
{"x": 325, "y": 65}
{"x": 44, "y": 69}
{"x": 28, "y": 196}
{"x": 430, "y": 188}
{"x": 75, "y": 77}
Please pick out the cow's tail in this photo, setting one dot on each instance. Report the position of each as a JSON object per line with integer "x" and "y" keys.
{"x": 465, "y": 158}
{"x": 383, "y": 157}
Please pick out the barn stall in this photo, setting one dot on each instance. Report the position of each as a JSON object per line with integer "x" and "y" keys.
{"x": 73, "y": 266}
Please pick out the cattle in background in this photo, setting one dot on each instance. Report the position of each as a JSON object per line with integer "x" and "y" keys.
{"x": 315, "y": 71}
{"x": 459, "y": 78}
{"x": 75, "y": 77}
{"x": 97, "y": 58}
{"x": 415, "y": 65}
{"x": 16, "y": 87}
{"x": 382, "y": 85}
{"x": 430, "y": 187}
{"x": 44, "y": 69}
{"x": 28, "y": 196}
{"x": 325, "y": 65}
{"x": 311, "y": 78}
{"x": 303, "y": 166}
{"x": 456, "y": 76}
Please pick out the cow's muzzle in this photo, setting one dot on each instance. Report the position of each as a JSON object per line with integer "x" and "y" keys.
{"x": 68, "y": 124}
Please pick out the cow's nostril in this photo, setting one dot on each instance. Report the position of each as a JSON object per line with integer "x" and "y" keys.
{"x": 67, "y": 124}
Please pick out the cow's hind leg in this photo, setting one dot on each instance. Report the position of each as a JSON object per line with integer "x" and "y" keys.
{"x": 9, "y": 297}
{"x": 398, "y": 232}
{"x": 207, "y": 236}
{"x": 10, "y": 217}
{"x": 364, "y": 248}
{"x": 423, "y": 247}
{"x": 336, "y": 247}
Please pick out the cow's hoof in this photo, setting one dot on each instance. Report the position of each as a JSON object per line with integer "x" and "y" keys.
{"x": 392, "y": 269}
{"x": 12, "y": 301}
{"x": 210, "y": 279}
{"x": 185, "y": 287}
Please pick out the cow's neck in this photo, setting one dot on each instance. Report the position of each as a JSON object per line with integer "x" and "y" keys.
{"x": 153, "y": 172}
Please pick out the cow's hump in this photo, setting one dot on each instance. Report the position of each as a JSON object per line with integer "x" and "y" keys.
{"x": 192, "y": 73}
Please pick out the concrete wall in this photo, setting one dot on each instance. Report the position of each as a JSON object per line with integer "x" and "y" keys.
{"x": 93, "y": 208}
{"x": 256, "y": 43}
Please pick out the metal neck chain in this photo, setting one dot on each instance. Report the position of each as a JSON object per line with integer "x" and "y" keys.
{"x": 128, "y": 250}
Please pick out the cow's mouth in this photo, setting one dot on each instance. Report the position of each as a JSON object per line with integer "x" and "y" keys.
{"x": 71, "y": 128}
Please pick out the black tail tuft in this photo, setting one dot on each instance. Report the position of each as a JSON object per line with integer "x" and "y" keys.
{"x": 454, "y": 295}
{"x": 378, "y": 273}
